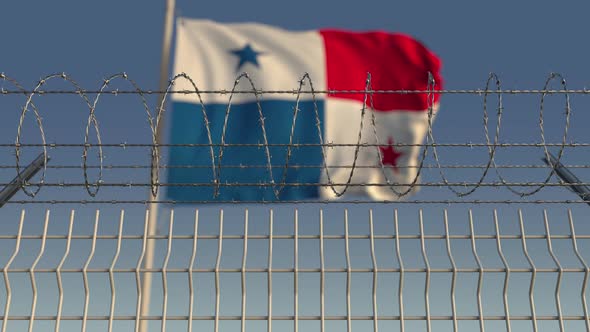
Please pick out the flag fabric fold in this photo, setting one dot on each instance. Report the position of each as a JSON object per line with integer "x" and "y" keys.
{"x": 299, "y": 140}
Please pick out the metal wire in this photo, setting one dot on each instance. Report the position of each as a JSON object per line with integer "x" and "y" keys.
{"x": 58, "y": 271}
{"x": 217, "y": 271}
{"x": 119, "y": 261}
{"x": 293, "y": 166}
{"x": 375, "y": 271}
{"x": 85, "y": 272}
{"x": 480, "y": 274}
{"x": 5, "y": 273}
{"x": 428, "y": 269}
{"x": 191, "y": 305}
{"x": 402, "y": 318}
{"x": 243, "y": 272}
{"x": 348, "y": 272}
{"x": 559, "y": 275}
{"x": 296, "y": 270}
{"x": 263, "y": 185}
{"x": 112, "y": 274}
{"x": 269, "y": 273}
{"x": 320, "y": 202}
{"x": 586, "y": 267}
{"x": 322, "y": 275}
{"x": 127, "y": 271}
{"x": 138, "y": 283}
{"x": 507, "y": 276}
{"x": 454, "y": 269}
{"x": 480, "y": 92}
{"x": 277, "y": 183}
{"x": 164, "y": 274}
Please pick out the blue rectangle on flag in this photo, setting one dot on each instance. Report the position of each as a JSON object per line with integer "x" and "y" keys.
{"x": 244, "y": 168}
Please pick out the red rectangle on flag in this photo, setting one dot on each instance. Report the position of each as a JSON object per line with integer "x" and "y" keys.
{"x": 395, "y": 61}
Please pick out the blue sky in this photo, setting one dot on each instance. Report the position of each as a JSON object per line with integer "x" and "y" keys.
{"x": 521, "y": 41}
{"x": 92, "y": 41}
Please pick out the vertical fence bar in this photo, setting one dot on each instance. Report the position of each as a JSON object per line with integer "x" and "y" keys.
{"x": 427, "y": 281}
{"x": 85, "y": 272}
{"x": 111, "y": 273}
{"x": 32, "y": 272}
{"x": 506, "y": 276}
{"x": 322, "y": 276}
{"x": 348, "y": 272}
{"x": 559, "y": 275}
{"x": 60, "y": 288}
{"x": 480, "y": 269}
{"x": 165, "y": 273}
{"x": 269, "y": 275}
{"x": 7, "y": 268}
{"x": 454, "y": 277}
{"x": 533, "y": 274}
{"x": 586, "y": 269}
{"x": 148, "y": 259}
{"x": 243, "y": 272}
{"x": 138, "y": 283}
{"x": 375, "y": 271}
{"x": 401, "y": 274}
{"x": 191, "y": 300}
{"x": 217, "y": 266}
{"x": 296, "y": 270}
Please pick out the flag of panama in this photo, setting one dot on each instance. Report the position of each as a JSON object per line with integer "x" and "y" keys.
{"x": 280, "y": 146}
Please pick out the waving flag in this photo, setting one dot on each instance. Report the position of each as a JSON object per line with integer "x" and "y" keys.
{"x": 256, "y": 163}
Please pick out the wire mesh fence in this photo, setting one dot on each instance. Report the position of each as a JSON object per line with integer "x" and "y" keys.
{"x": 492, "y": 241}
{"x": 285, "y": 270}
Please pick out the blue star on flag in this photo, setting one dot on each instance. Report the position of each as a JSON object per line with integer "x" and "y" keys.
{"x": 247, "y": 55}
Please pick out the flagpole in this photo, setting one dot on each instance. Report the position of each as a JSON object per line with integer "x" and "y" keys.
{"x": 153, "y": 207}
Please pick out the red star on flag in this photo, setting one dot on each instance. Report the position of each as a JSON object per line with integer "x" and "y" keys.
{"x": 389, "y": 156}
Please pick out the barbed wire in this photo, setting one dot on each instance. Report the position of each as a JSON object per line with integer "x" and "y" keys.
{"x": 293, "y": 166}
{"x": 295, "y": 92}
{"x": 278, "y": 181}
{"x": 299, "y": 145}
{"x": 314, "y": 201}
{"x": 301, "y": 184}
